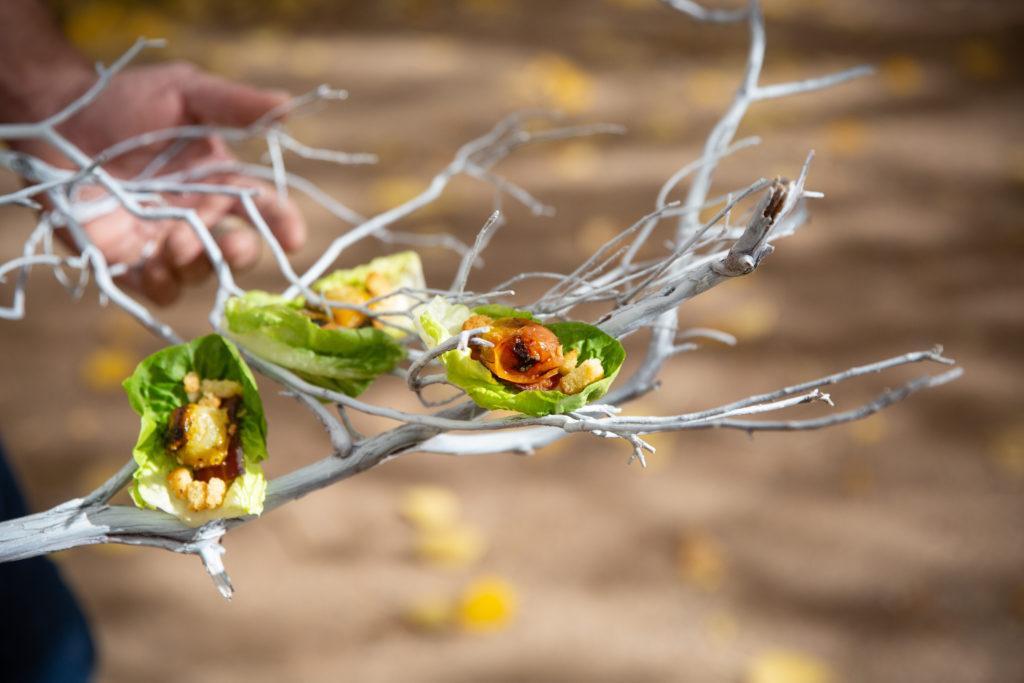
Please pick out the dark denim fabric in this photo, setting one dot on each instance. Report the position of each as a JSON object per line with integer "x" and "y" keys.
{"x": 44, "y": 637}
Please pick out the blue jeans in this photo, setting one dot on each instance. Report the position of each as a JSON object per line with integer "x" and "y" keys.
{"x": 44, "y": 637}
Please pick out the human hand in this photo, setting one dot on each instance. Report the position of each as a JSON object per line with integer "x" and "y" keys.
{"x": 166, "y": 254}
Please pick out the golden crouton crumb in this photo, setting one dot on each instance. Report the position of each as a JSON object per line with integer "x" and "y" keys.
{"x": 179, "y": 480}
{"x": 191, "y": 382}
{"x": 215, "y": 490}
{"x": 475, "y": 321}
{"x": 377, "y": 284}
{"x": 221, "y": 388}
{"x": 210, "y": 401}
{"x": 585, "y": 374}
{"x": 569, "y": 361}
{"x": 345, "y": 294}
{"x": 197, "y": 496}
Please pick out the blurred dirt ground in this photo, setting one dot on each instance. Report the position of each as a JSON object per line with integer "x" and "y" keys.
{"x": 889, "y": 550}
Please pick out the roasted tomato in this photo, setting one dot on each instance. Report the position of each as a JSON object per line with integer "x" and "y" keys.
{"x": 524, "y": 353}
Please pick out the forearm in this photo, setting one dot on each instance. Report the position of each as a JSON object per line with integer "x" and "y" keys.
{"x": 41, "y": 71}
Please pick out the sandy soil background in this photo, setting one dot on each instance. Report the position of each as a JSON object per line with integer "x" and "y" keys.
{"x": 889, "y": 550}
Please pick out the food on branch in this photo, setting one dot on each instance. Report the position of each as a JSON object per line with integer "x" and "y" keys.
{"x": 519, "y": 363}
{"x": 342, "y": 349}
{"x": 203, "y": 432}
{"x": 528, "y": 355}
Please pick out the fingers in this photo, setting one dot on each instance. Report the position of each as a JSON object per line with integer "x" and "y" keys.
{"x": 181, "y": 258}
{"x": 241, "y": 247}
{"x": 159, "y": 283}
{"x": 210, "y": 99}
{"x": 283, "y": 218}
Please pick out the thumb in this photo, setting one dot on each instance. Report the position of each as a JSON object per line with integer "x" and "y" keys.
{"x": 214, "y": 100}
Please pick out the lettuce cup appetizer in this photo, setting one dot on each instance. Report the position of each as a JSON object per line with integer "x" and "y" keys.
{"x": 202, "y": 435}
{"x": 524, "y": 366}
{"x": 338, "y": 349}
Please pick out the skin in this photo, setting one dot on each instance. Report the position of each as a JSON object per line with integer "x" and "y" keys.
{"x": 43, "y": 73}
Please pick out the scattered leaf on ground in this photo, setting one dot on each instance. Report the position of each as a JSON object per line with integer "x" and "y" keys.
{"x": 701, "y": 561}
{"x": 553, "y": 80}
{"x": 902, "y": 75}
{"x": 487, "y": 604}
{"x": 784, "y": 666}
{"x": 105, "y": 368}
{"x": 430, "y": 508}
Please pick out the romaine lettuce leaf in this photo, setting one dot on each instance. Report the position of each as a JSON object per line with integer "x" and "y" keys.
{"x": 344, "y": 360}
{"x": 155, "y": 389}
{"x": 439, "y": 320}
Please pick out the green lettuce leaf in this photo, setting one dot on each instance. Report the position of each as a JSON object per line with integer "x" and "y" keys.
{"x": 274, "y": 328}
{"x": 439, "y": 320}
{"x": 155, "y": 389}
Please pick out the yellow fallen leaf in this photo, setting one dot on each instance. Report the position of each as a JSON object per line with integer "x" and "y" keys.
{"x": 902, "y": 76}
{"x": 487, "y": 604}
{"x": 105, "y": 368}
{"x": 980, "y": 60}
{"x": 1007, "y": 451}
{"x": 555, "y": 81}
{"x": 784, "y": 666}
{"x": 870, "y": 430}
{"x": 701, "y": 561}
{"x": 430, "y": 613}
{"x": 104, "y": 27}
{"x": 456, "y": 546}
{"x": 430, "y": 508}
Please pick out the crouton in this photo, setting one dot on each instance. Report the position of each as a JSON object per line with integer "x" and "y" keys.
{"x": 569, "y": 362}
{"x": 191, "y": 382}
{"x": 585, "y": 374}
{"x": 221, "y": 388}
{"x": 179, "y": 480}
{"x": 215, "y": 490}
